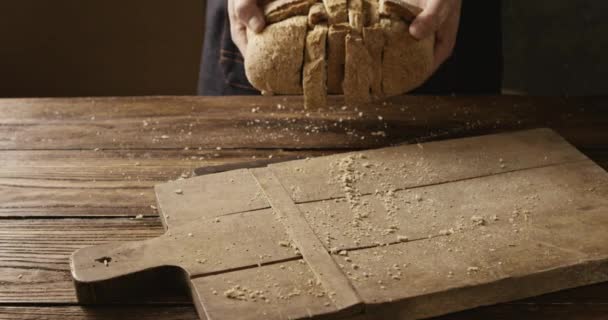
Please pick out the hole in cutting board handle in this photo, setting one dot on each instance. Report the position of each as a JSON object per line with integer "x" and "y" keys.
{"x": 104, "y": 260}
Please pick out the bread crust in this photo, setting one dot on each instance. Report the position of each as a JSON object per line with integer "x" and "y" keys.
{"x": 359, "y": 48}
{"x": 357, "y": 73}
{"x": 407, "y": 62}
{"x": 336, "y": 38}
{"x": 373, "y": 38}
{"x": 279, "y": 10}
{"x": 274, "y": 57}
{"x": 314, "y": 79}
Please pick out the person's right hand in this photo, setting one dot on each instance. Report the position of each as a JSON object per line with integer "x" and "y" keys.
{"x": 243, "y": 15}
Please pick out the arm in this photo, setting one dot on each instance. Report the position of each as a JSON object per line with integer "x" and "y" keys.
{"x": 442, "y": 18}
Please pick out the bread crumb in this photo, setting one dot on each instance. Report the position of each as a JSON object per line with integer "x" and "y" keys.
{"x": 179, "y": 191}
{"x": 401, "y": 238}
{"x": 285, "y": 244}
{"x": 20, "y": 276}
{"x": 190, "y": 234}
{"x": 139, "y": 216}
{"x": 478, "y": 220}
{"x": 472, "y": 269}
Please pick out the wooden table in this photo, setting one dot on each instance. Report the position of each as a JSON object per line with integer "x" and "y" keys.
{"x": 77, "y": 172}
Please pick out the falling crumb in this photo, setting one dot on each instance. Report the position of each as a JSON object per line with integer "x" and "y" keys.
{"x": 20, "y": 276}
{"x": 139, "y": 216}
{"x": 218, "y": 148}
{"x": 164, "y": 136}
{"x": 380, "y": 118}
{"x": 179, "y": 191}
{"x": 153, "y": 207}
{"x": 343, "y": 253}
{"x": 190, "y": 234}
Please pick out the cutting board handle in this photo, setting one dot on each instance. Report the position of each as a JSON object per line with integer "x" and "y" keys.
{"x": 113, "y": 260}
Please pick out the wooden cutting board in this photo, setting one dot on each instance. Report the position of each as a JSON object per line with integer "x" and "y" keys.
{"x": 397, "y": 233}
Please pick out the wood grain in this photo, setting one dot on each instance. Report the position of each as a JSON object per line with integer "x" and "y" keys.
{"x": 208, "y": 122}
{"x": 49, "y": 143}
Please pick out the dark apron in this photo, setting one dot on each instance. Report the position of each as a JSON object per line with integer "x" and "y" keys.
{"x": 474, "y": 68}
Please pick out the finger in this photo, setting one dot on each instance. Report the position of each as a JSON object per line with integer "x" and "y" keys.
{"x": 446, "y": 38}
{"x": 248, "y": 13}
{"x": 239, "y": 37}
{"x": 431, "y": 18}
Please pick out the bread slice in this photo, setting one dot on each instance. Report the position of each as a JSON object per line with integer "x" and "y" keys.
{"x": 371, "y": 8}
{"x": 317, "y": 15}
{"x": 399, "y": 8}
{"x": 373, "y": 37}
{"x": 274, "y": 57}
{"x": 407, "y": 62}
{"x": 357, "y": 73}
{"x": 279, "y": 10}
{"x": 314, "y": 78}
{"x": 336, "y": 37}
{"x": 355, "y": 15}
{"x": 337, "y": 11}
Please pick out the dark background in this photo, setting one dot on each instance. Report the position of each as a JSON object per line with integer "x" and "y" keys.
{"x": 152, "y": 47}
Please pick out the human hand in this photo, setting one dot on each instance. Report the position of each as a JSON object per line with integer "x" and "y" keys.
{"x": 442, "y": 18}
{"x": 243, "y": 15}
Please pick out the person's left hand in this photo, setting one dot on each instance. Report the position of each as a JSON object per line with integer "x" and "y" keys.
{"x": 442, "y": 18}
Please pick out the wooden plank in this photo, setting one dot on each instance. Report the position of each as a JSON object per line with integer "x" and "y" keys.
{"x": 228, "y": 122}
{"x": 105, "y": 183}
{"x": 281, "y": 291}
{"x": 410, "y": 166}
{"x": 430, "y": 211}
{"x": 181, "y": 202}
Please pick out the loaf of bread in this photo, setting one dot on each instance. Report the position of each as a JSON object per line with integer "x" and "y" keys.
{"x": 359, "y": 48}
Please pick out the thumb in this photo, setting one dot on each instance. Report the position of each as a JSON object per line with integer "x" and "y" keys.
{"x": 249, "y": 14}
{"x": 429, "y": 21}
